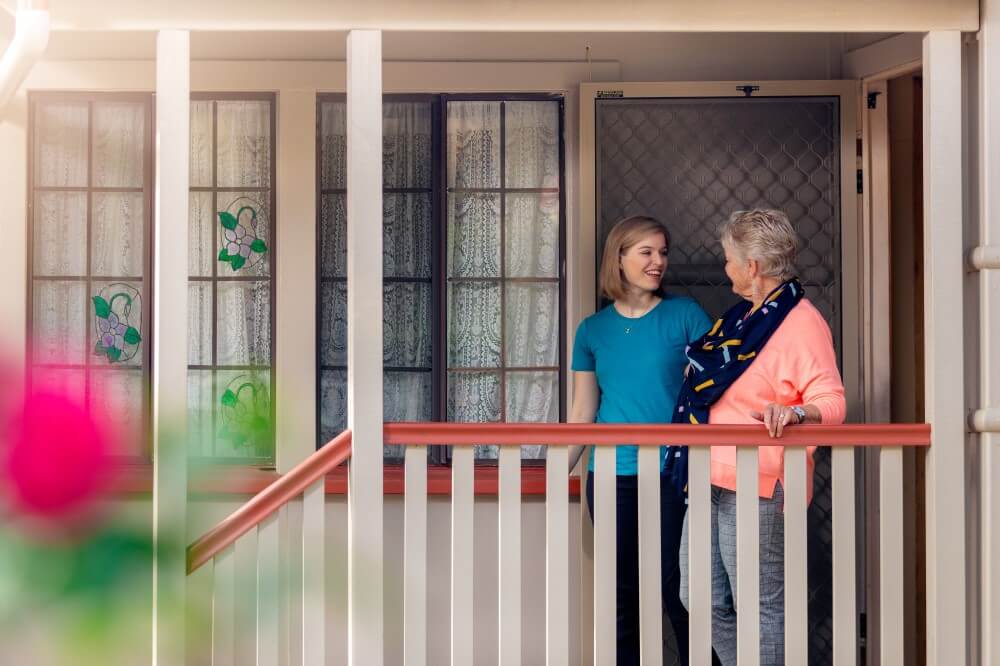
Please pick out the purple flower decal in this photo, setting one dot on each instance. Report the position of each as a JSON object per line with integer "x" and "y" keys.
{"x": 242, "y": 245}
{"x": 116, "y": 339}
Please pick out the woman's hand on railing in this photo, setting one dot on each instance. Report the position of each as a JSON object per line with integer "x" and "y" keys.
{"x": 776, "y": 416}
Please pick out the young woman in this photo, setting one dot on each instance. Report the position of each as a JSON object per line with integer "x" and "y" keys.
{"x": 628, "y": 366}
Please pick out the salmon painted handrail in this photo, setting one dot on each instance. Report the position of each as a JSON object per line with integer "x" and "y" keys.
{"x": 269, "y": 500}
{"x": 338, "y": 450}
{"x": 609, "y": 434}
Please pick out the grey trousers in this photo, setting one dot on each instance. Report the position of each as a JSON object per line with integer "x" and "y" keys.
{"x": 772, "y": 576}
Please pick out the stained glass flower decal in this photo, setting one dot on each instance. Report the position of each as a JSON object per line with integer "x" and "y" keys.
{"x": 241, "y": 244}
{"x": 246, "y": 414}
{"x": 118, "y": 338}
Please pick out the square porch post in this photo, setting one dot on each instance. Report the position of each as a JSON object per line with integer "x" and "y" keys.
{"x": 169, "y": 409}
{"x": 364, "y": 345}
{"x": 943, "y": 326}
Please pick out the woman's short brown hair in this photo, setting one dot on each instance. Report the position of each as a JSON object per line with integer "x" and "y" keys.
{"x": 626, "y": 233}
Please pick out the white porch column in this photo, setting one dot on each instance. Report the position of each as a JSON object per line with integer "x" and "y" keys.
{"x": 989, "y": 322}
{"x": 364, "y": 345}
{"x": 943, "y": 332}
{"x": 170, "y": 285}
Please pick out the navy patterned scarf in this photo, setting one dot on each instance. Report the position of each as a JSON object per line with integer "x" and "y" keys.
{"x": 719, "y": 358}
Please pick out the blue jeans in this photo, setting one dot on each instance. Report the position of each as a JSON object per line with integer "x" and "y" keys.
{"x": 672, "y": 510}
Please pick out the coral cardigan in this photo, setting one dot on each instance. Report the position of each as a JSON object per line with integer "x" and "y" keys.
{"x": 797, "y": 366}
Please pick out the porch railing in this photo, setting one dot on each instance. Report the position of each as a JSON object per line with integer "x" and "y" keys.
{"x": 600, "y": 623}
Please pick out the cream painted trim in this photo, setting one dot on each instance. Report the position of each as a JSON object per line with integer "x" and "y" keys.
{"x": 582, "y": 298}
{"x": 541, "y": 15}
{"x": 874, "y": 60}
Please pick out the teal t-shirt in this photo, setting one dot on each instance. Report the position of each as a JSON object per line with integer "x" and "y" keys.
{"x": 639, "y": 364}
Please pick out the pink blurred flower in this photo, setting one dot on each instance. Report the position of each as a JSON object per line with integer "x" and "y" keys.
{"x": 58, "y": 463}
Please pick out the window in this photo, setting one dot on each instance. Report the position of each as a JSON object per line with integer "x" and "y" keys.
{"x": 90, "y": 210}
{"x": 231, "y": 278}
{"x": 472, "y": 230}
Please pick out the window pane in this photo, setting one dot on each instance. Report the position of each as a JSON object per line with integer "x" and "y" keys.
{"x": 406, "y": 330}
{"x": 248, "y": 243}
{"x": 333, "y": 404}
{"x": 406, "y": 231}
{"x": 532, "y": 130}
{"x": 202, "y": 250}
{"x": 474, "y": 235}
{"x": 474, "y": 397}
{"x": 244, "y": 323}
{"x": 117, "y": 329}
{"x": 59, "y": 243}
{"x": 244, "y": 426}
{"x": 61, "y": 144}
{"x": 532, "y": 330}
{"x": 200, "y": 323}
{"x": 333, "y": 145}
{"x": 532, "y": 397}
{"x": 406, "y": 144}
{"x": 58, "y": 320}
{"x": 119, "y": 139}
{"x": 473, "y": 144}
{"x": 201, "y": 436}
{"x": 333, "y": 236}
{"x": 67, "y": 383}
{"x": 118, "y": 221}
{"x": 244, "y": 144}
{"x": 474, "y": 325}
{"x": 406, "y": 396}
{"x": 201, "y": 143}
{"x": 333, "y": 323}
{"x": 531, "y": 235}
{"x": 117, "y": 398}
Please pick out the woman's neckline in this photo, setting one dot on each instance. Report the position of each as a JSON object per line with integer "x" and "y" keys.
{"x": 648, "y": 312}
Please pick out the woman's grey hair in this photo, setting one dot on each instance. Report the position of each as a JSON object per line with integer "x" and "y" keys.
{"x": 765, "y": 236}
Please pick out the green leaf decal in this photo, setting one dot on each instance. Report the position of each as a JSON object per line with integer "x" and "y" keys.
{"x": 99, "y": 349}
{"x": 237, "y": 262}
{"x": 227, "y": 220}
{"x": 223, "y": 255}
{"x": 229, "y": 398}
{"x": 132, "y": 336}
{"x": 258, "y": 246}
{"x": 259, "y": 424}
{"x": 114, "y": 354}
{"x": 101, "y": 307}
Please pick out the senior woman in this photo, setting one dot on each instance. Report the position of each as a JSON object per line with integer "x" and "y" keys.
{"x": 769, "y": 359}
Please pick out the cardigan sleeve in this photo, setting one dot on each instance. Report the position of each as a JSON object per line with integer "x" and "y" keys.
{"x": 818, "y": 379}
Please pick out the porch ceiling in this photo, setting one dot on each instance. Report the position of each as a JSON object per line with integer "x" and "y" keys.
{"x": 519, "y": 15}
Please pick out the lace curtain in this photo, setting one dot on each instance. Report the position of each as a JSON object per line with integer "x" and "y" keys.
{"x": 229, "y": 388}
{"x": 503, "y": 256}
{"x": 80, "y": 144}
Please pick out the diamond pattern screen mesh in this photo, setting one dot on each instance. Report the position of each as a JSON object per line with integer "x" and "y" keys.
{"x": 690, "y": 162}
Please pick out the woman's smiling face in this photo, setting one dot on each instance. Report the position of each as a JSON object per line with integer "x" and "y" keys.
{"x": 643, "y": 264}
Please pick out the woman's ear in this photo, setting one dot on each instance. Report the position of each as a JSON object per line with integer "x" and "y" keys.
{"x": 753, "y": 268}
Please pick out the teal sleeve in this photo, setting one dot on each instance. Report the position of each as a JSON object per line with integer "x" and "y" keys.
{"x": 583, "y": 354}
{"x": 698, "y": 324}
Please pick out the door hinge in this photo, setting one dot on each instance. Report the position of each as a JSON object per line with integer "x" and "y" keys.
{"x": 873, "y": 99}
{"x": 861, "y": 181}
{"x": 748, "y": 90}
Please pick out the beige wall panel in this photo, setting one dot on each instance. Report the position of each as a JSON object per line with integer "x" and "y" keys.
{"x": 555, "y": 15}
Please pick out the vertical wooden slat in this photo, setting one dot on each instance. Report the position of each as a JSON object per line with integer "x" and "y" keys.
{"x": 557, "y": 557}
{"x": 845, "y": 607}
{"x": 224, "y": 609}
{"x": 462, "y": 555}
{"x": 246, "y": 598}
{"x": 284, "y": 586}
{"x": 650, "y": 596}
{"x": 415, "y": 557}
{"x": 747, "y": 558}
{"x": 796, "y": 557}
{"x": 509, "y": 523}
{"x": 268, "y": 617}
{"x": 296, "y": 592}
{"x": 699, "y": 519}
{"x": 314, "y": 575}
{"x": 944, "y": 209}
{"x": 605, "y": 555}
{"x": 587, "y": 573}
{"x": 891, "y": 554}
{"x": 198, "y": 615}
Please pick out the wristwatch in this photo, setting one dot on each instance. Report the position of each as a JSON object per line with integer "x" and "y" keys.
{"x": 799, "y": 412}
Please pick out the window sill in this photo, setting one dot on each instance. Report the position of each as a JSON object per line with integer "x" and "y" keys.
{"x": 138, "y": 479}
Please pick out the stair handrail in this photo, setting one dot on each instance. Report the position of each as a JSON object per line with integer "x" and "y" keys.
{"x": 273, "y": 497}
